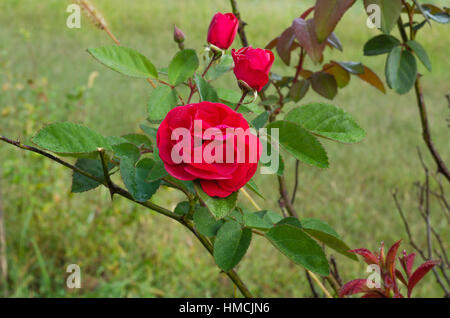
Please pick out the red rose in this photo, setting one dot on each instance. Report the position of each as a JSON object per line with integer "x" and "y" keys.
{"x": 252, "y": 66}
{"x": 196, "y": 129}
{"x": 222, "y": 30}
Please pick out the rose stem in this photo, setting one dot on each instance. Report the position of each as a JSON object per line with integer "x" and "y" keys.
{"x": 244, "y": 93}
{"x": 314, "y": 277}
{"x": 148, "y": 204}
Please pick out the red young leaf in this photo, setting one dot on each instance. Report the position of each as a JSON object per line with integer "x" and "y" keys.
{"x": 390, "y": 259}
{"x": 340, "y": 74}
{"x": 407, "y": 262}
{"x": 284, "y": 44}
{"x": 373, "y": 294}
{"x": 399, "y": 275}
{"x": 327, "y": 14}
{"x": 381, "y": 256}
{"x": 353, "y": 287}
{"x": 306, "y": 37}
{"x": 370, "y": 77}
{"x": 272, "y": 43}
{"x": 420, "y": 272}
{"x": 369, "y": 257}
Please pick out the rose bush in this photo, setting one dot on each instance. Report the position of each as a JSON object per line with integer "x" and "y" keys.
{"x": 222, "y": 30}
{"x": 218, "y": 177}
{"x": 224, "y": 225}
{"x": 252, "y": 66}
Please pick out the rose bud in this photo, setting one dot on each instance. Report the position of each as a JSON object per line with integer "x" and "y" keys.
{"x": 200, "y": 142}
{"x": 222, "y": 30}
{"x": 252, "y": 66}
{"x": 178, "y": 35}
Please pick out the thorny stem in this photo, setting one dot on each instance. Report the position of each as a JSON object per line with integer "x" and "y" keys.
{"x": 3, "y": 260}
{"x": 285, "y": 195}
{"x": 106, "y": 175}
{"x": 231, "y": 274}
{"x": 213, "y": 59}
{"x": 294, "y": 191}
{"x": 299, "y": 66}
{"x": 192, "y": 87}
{"x": 244, "y": 93}
{"x": 149, "y": 205}
{"x": 242, "y": 24}
{"x": 314, "y": 277}
{"x": 426, "y": 133}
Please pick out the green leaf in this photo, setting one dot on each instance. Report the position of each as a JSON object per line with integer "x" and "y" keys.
{"x": 390, "y": 12}
{"x": 380, "y": 44}
{"x": 271, "y": 216}
{"x": 134, "y": 178}
{"x": 116, "y": 140}
{"x": 183, "y": 66}
{"x": 401, "y": 70}
{"x": 300, "y": 143}
{"x": 161, "y": 101}
{"x": 81, "y": 183}
{"x": 276, "y": 152}
{"x": 206, "y": 91}
{"x": 235, "y": 215}
{"x": 225, "y": 65}
{"x": 127, "y": 151}
{"x": 260, "y": 120}
{"x": 263, "y": 220}
{"x": 232, "y": 96}
{"x": 254, "y": 187}
{"x": 334, "y": 41}
{"x": 149, "y": 131}
{"x": 324, "y": 233}
{"x": 125, "y": 61}
{"x": 182, "y": 208}
{"x": 257, "y": 221}
{"x": 299, "y": 247}
{"x": 293, "y": 221}
{"x": 324, "y": 84}
{"x": 327, "y": 121}
{"x": 298, "y": 90}
{"x": 352, "y": 67}
{"x": 158, "y": 171}
{"x": 138, "y": 140}
{"x": 421, "y": 53}
{"x": 219, "y": 207}
{"x": 231, "y": 244}
{"x": 435, "y": 13}
{"x": 205, "y": 222}
{"x": 69, "y": 139}
{"x": 442, "y": 18}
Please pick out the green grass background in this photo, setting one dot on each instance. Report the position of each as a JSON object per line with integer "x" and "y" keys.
{"x": 124, "y": 250}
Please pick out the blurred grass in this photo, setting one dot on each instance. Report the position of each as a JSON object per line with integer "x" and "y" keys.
{"x": 124, "y": 250}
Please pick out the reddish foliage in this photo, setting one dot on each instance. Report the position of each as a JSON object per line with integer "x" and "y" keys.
{"x": 354, "y": 287}
{"x": 369, "y": 257}
{"x": 388, "y": 272}
{"x": 420, "y": 272}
